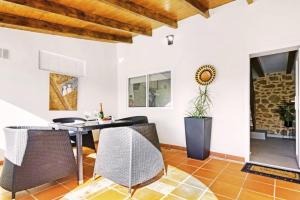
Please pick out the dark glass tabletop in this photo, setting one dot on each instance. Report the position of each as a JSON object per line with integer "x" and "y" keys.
{"x": 93, "y": 125}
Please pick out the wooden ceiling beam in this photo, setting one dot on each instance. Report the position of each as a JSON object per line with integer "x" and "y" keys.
{"x": 204, "y": 11}
{"x": 53, "y": 7}
{"x": 142, "y": 11}
{"x": 291, "y": 61}
{"x": 25, "y": 23}
{"x": 256, "y": 65}
{"x": 250, "y": 1}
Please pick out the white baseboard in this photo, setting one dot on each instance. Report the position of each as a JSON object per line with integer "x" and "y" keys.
{"x": 280, "y": 136}
{"x": 258, "y": 135}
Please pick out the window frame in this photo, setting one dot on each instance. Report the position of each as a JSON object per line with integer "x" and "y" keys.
{"x": 146, "y": 99}
{"x": 147, "y": 90}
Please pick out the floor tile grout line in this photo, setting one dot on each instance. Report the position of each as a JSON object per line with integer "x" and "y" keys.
{"x": 32, "y": 195}
{"x": 256, "y": 181}
{"x": 64, "y": 186}
{"x": 201, "y": 167}
{"x": 197, "y": 168}
{"x": 290, "y": 189}
{"x": 260, "y": 193}
{"x": 53, "y": 184}
{"x": 241, "y": 189}
{"x": 189, "y": 176}
{"x": 214, "y": 180}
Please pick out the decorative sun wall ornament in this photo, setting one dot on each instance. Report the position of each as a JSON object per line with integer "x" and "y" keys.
{"x": 205, "y": 74}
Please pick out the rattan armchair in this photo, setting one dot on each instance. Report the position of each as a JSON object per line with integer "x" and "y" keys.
{"x": 48, "y": 157}
{"x": 129, "y": 156}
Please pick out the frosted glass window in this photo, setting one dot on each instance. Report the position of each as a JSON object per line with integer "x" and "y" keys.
{"x": 159, "y": 93}
{"x": 137, "y": 92}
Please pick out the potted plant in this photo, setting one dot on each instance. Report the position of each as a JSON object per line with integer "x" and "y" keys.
{"x": 198, "y": 126}
{"x": 286, "y": 112}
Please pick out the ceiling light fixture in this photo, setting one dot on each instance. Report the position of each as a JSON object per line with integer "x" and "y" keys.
{"x": 170, "y": 39}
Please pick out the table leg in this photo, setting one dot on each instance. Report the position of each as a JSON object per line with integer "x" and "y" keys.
{"x": 79, "y": 156}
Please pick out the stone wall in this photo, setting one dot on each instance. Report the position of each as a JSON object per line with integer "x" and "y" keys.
{"x": 270, "y": 92}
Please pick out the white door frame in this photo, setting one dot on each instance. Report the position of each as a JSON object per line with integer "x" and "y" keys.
{"x": 253, "y": 55}
{"x": 297, "y": 107}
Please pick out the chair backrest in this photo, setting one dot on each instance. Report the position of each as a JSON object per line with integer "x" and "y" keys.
{"x": 149, "y": 132}
{"x": 137, "y": 119}
{"x": 48, "y": 157}
{"x": 68, "y": 120}
{"x": 128, "y": 156}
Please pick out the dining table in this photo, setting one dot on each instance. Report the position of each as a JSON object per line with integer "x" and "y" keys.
{"x": 79, "y": 129}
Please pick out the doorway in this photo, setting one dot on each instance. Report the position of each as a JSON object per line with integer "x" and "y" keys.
{"x": 273, "y": 109}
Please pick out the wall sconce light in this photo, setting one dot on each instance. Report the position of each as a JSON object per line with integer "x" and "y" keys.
{"x": 170, "y": 39}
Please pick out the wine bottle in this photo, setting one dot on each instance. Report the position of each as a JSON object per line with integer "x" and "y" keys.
{"x": 101, "y": 113}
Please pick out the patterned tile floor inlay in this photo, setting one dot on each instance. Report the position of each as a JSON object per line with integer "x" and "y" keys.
{"x": 187, "y": 179}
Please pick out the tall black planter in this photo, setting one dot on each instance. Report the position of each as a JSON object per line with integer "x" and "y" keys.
{"x": 198, "y": 134}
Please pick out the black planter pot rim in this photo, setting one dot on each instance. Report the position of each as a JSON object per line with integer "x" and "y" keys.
{"x": 199, "y": 117}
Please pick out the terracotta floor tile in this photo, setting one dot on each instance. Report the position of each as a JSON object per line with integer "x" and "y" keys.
{"x": 225, "y": 189}
{"x": 28, "y": 197}
{"x": 187, "y": 168}
{"x": 287, "y": 194}
{"x": 288, "y": 185}
{"x": 187, "y": 192}
{"x": 212, "y": 196}
{"x": 147, "y": 194}
{"x": 88, "y": 170}
{"x": 206, "y": 173}
{"x": 176, "y": 159}
{"x": 51, "y": 193}
{"x": 169, "y": 157}
{"x": 66, "y": 179}
{"x": 213, "y": 167}
{"x": 205, "y": 181}
{"x": 250, "y": 195}
{"x": 234, "y": 172}
{"x": 259, "y": 187}
{"x": 263, "y": 179}
{"x": 235, "y": 166}
{"x": 42, "y": 188}
{"x": 218, "y": 162}
{"x": 180, "y": 153}
{"x": 71, "y": 184}
{"x": 233, "y": 180}
{"x": 110, "y": 194}
{"x": 194, "y": 162}
{"x": 170, "y": 162}
{"x": 23, "y": 195}
{"x": 219, "y": 179}
{"x": 89, "y": 161}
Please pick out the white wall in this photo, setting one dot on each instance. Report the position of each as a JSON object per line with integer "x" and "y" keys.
{"x": 24, "y": 90}
{"x": 225, "y": 40}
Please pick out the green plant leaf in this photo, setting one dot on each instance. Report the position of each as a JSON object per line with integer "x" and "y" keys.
{"x": 201, "y": 104}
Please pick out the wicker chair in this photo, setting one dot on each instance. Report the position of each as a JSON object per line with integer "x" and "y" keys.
{"x": 48, "y": 157}
{"x": 136, "y": 119}
{"x": 87, "y": 139}
{"x": 129, "y": 156}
